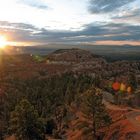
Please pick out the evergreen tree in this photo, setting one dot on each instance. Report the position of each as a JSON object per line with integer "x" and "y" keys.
{"x": 25, "y": 123}
{"x": 132, "y": 80}
{"x": 94, "y": 110}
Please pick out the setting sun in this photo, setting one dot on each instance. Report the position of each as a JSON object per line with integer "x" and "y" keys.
{"x": 3, "y": 42}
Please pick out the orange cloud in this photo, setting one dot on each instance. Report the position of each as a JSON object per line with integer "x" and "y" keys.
{"x": 112, "y": 42}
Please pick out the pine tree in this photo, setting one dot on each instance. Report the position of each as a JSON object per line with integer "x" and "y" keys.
{"x": 132, "y": 80}
{"x": 25, "y": 123}
{"x": 94, "y": 110}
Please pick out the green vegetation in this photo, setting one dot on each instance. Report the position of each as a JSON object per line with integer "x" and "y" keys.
{"x": 40, "y": 99}
{"x": 94, "y": 110}
{"x": 38, "y": 58}
{"x": 25, "y": 122}
{"x": 40, "y": 107}
{"x": 132, "y": 80}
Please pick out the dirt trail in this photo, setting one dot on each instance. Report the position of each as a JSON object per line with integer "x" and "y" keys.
{"x": 133, "y": 116}
{"x": 114, "y": 107}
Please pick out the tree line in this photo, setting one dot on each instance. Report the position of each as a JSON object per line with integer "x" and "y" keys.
{"x": 31, "y": 109}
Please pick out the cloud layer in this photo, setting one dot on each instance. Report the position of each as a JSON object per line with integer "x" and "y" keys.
{"x": 105, "y": 6}
{"x": 90, "y": 34}
{"x": 85, "y": 22}
{"x": 35, "y": 3}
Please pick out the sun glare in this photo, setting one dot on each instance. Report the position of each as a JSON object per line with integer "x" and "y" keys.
{"x": 3, "y": 42}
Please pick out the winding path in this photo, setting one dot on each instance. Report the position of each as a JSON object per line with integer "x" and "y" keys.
{"x": 133, "y": 116}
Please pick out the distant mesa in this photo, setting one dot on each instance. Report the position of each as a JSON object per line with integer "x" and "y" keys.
{"x": 71, "y": 55}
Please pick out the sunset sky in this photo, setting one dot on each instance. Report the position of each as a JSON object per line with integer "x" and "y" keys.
{"x": 100, "y": 22}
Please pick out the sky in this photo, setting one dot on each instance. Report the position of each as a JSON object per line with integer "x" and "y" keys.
{"x": 95, "y": 22}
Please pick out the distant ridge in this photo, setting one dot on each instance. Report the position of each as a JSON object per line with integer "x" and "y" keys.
{"x": 74, "y": 54}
